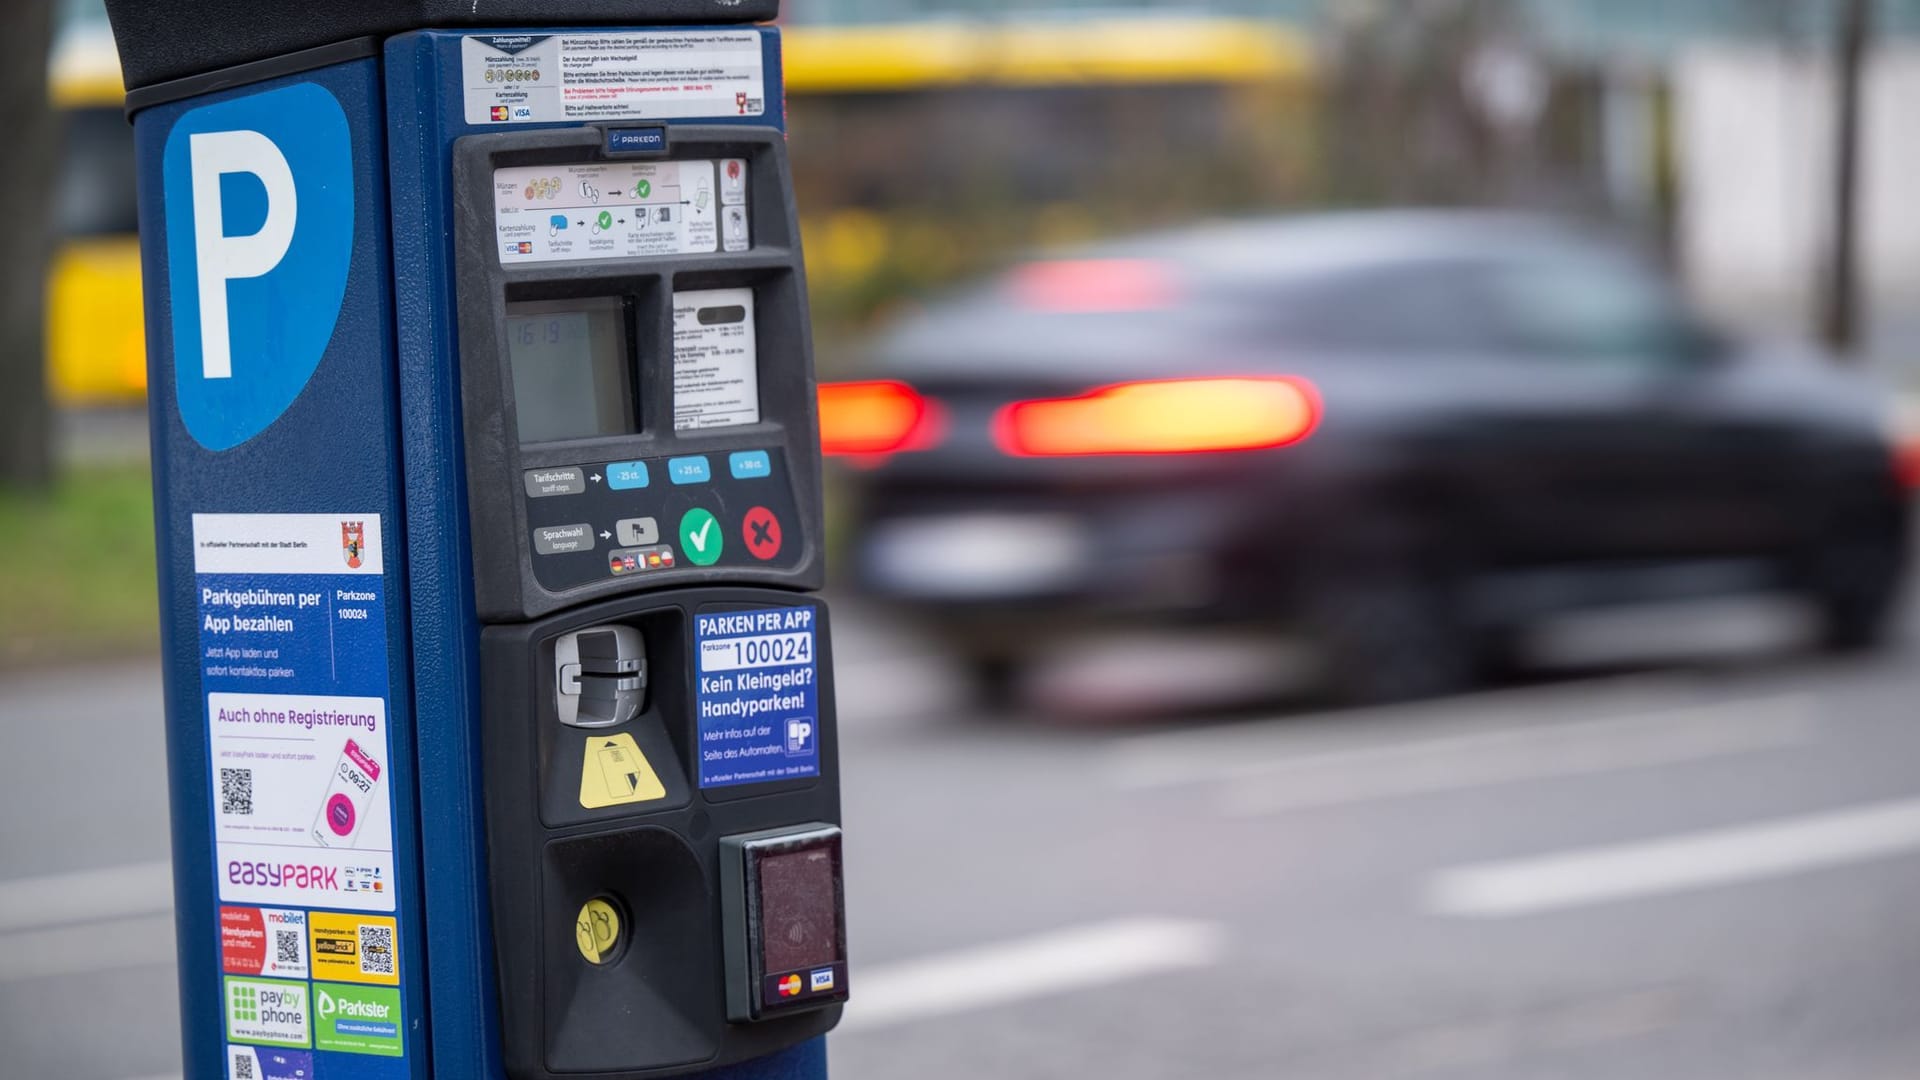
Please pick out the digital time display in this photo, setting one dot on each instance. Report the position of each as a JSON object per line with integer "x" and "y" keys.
{"x": 570, "y": 369}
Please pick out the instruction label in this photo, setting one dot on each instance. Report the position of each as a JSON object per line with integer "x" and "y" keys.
{"x": 549, "y": 78}
{"x": 293, "y": 654}
{"x": 758, "y": 696}
{"x": 716, "y": 366}
{"x": 610, "y": 210}
{"x": 614, "y": 771}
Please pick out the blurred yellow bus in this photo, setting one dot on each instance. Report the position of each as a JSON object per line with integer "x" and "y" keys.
{"x": 96, "y": 342}
{"x": 95, "y": 336}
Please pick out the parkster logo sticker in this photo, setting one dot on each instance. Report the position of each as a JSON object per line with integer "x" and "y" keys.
{"x": 259, "y": 198}
{"x": 356, "y": 1019}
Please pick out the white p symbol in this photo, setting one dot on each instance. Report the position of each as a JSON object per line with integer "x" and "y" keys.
{"x": 221, "y": 258}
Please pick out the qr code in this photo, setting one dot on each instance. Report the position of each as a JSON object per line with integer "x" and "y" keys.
{"x": 236, "y": 791}
{"x": 376, "y": 950}
{"x": 242, "y": 1067}
{"x": 286, "y": 947}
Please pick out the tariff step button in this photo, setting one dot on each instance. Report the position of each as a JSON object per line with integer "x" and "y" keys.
{"x": 563, "y": 539}
{"x": 689, "y": 470}
{"x": 543, "y": 483}
{"x": 749, "y": 464}
{"x": 626, "y": 475}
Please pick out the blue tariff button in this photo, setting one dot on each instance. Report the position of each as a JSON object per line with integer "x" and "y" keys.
{"x": 641, "y": 140}
{"x": 688, "y": 470}
{"x": 626, "y": 475}
{"x": 749, "y": 464}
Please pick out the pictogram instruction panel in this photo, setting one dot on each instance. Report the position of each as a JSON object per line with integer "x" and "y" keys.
{"x": 612, "y": 75}
{"x": 619, "y": 210}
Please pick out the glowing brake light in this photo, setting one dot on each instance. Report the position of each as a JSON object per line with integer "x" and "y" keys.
{"x": 1170, "y": 416}
{"x": 878, "y": 417}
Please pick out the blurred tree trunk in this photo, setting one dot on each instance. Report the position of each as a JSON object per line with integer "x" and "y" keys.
{"x": 1839, "y": 323}
{"x": 26, "y": 219}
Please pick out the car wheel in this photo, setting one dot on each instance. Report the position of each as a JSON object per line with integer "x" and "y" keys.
{"x": 1389, "y": 639}
{"x": 1855, "y": 582}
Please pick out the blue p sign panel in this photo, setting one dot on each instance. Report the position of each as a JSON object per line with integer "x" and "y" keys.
{"x": 259, "y": 196}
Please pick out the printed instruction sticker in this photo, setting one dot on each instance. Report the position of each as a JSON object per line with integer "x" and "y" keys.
{"x": 613, "y": 772}
{"x": 716, "y": 367}
{"x": 355, "y": 948}
{"x": 293, "y": 645}
{"x": 609, "y": 210}
{"x": 356, "y": 1019}
{"x": 263, "y": 941}
{"x": 539, "y": 78}
{"x": 267, "y": 1011}
{"x": 263, "y": 1063}
{"x": 758, "y": 696}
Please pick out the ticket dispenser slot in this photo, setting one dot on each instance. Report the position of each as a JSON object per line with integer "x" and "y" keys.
{"x": 601, "y": 676}
{"x": 658, "y": 736}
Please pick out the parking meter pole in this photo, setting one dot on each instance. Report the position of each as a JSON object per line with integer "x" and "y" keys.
{"x": 500, "y": 717}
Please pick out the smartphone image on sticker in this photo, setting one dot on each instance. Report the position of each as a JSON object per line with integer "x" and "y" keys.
{"x": 345, "y": 802}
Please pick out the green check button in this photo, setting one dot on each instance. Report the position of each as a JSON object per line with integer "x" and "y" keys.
{"x": 701, "y": 537}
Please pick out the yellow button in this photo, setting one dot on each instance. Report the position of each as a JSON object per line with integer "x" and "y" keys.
{"x": 596, "y": 931}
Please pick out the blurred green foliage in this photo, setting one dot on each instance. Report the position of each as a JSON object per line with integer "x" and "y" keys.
{"x": 76, "y": 568}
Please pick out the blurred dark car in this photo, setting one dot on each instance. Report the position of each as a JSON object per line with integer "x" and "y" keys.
{"x": 1407, "y": 434}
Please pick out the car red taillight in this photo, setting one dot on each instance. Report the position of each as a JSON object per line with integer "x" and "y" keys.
{"x": 876, "y": 418}
{"x": 1164, "y": 416}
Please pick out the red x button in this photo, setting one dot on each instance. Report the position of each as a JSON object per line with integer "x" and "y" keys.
{"x": 761, "y": 530}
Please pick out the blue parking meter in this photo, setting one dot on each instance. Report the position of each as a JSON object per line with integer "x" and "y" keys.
{"x": 500, "y": 708}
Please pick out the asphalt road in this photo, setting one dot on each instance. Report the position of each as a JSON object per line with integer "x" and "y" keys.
{"x": 1699, "y": 871}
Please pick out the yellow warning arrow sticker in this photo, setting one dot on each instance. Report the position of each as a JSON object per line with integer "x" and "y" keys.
{"x": 615, "y": 772}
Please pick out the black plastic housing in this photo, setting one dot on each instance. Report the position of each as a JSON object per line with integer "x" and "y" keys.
{"x": 160, "y": 42}
{"x": 506, "y": 583}
{"x": 660, "y": 1007}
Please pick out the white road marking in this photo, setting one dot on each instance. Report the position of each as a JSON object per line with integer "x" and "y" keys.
{"x": 1250, "y": 749}
{"x": 111, "y": 945}
{"x": 1461, "y": 762}
{"x": 106, "y": 893}
{"x": 1037, "y": 966}
{"x": 1673, "y": 864}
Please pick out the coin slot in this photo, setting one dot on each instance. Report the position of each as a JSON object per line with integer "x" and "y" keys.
{"x": 600, "y": 931}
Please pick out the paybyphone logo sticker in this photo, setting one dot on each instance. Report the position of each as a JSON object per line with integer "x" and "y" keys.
{"x": 259, "y": 220}
{"x": 271, "y": 1012}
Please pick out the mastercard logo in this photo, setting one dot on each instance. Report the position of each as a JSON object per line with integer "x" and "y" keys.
{"x": 790, "y": 986}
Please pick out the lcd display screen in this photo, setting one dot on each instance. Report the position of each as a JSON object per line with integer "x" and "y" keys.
{"x": 570, "y": 368}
